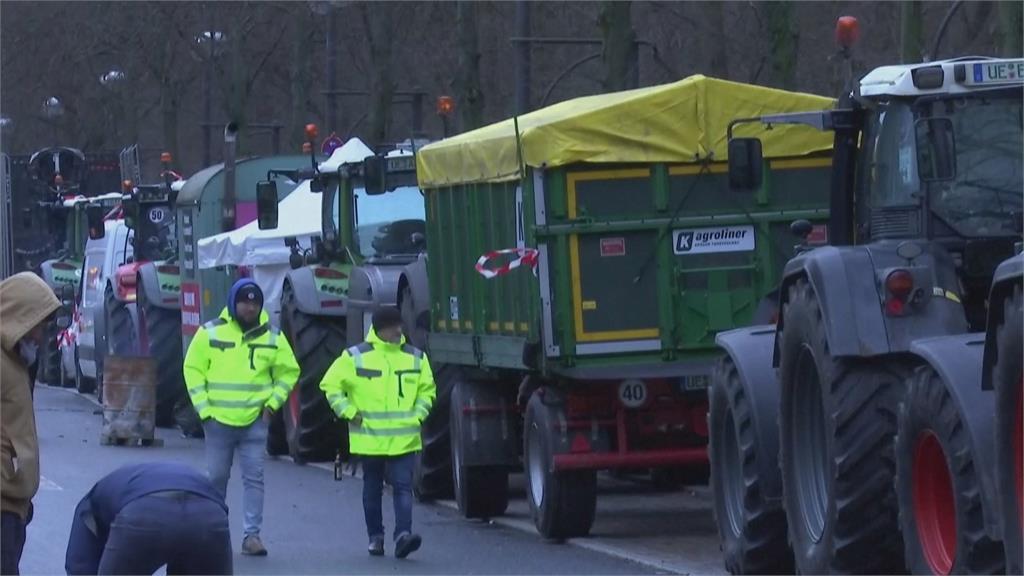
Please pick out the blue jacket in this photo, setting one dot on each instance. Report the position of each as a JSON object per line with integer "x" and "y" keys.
{"x": 90, "y": 526}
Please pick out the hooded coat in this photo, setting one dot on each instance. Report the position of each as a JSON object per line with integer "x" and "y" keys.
{"x": 25, "y": 301}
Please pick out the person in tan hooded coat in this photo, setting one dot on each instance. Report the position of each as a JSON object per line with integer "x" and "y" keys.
{"x": 26, "y": 302}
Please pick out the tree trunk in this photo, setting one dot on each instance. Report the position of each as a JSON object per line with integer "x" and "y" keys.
{"x": 719, "y": 65}
{"x": 619, "y": 52}
{"x": 471, "y": 96}
{"x": 378, "y": 17}
{"x": 1011, "y": 17}
{"x": 784, "y": 43}
{"x": 300, "y": 78}
{"x": 169, "y": 113}
{"x": 911, "y": 47}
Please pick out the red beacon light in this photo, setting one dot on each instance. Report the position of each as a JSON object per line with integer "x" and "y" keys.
{"x": 311, "y": 132}
{"x": 847, "y": 31}
{"x": 445, "y": 105}
{"x": 126, "y": 186}
{"x": 165, "y": 157}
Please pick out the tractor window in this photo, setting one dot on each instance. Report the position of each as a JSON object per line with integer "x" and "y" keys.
{"x": 893, "y": 170}
{"x": 984, "y": 199}
{"x": 386, "y": 223}
{"x": 156, "y": 233}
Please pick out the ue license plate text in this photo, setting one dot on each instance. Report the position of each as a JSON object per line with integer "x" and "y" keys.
{"x": 691, "y": 383}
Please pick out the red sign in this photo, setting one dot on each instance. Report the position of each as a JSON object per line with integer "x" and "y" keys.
{"x": 191, "y": 316}
{"x": 818, "y": 235}
{"x": 613, "y": 247}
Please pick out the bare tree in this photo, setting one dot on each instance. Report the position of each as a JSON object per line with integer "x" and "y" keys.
{"x": 619, "y": 51}
{"x": 1011, "y": 16}
{"x": 471, "y": 95}
{"x": 378, "y": 18}
{"x": 911, "y": 46}
{"x": 783, "y": 42}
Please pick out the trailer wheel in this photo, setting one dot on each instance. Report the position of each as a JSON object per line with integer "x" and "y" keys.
{"x": 1009, "y": 389}
{"x": 433, "y": 475}
{"x": 939, "y": 500}
{"x": 752, "y": 528}
{"x": 312, "y": 431}
{"x": 480, "y": 491}
{"x": 837, "y": 423}
{"x": 162, "y": 328}
{"x": 82, "y": 384}
{"x": 563, "y": 504}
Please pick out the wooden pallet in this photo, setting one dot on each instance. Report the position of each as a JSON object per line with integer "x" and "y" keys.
{"x": 108, "y": 440}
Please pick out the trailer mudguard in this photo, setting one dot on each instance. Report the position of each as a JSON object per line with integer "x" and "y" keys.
{"x": 848, "y": 282}
{"x": 490, "y": 435}
{"x": 957, "y": 359}
{"x": 751, "y": 351}
{"x": 149, "y": 284}
{"x": 415, "y": 277}
{"x": 1008, "y": 274}
{"x": 309, "y": 299}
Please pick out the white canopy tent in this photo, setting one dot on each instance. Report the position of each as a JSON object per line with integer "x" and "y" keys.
{"x": 264, "y": 250}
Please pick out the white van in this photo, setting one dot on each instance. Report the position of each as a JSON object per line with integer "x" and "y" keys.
{"x": 102, "y": 258}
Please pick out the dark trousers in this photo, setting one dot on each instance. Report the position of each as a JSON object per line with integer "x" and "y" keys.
{"x": 12, "y": 542}
{"x": 186, "y": 532}
{"x": 399, "y": 471}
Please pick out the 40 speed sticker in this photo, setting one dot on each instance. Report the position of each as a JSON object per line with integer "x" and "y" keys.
{"x": 716, "y": 239}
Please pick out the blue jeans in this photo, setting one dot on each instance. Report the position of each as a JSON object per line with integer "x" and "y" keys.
{"x": 399, "y": 470}
{"x": 250, "y": 441}
{"x": 12, "y": 534}
{"x": 186, "y": 532}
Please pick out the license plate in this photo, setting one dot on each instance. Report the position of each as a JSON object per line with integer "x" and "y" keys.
{"x": 691, "y": 383}
{"x": 1007, "y": 71}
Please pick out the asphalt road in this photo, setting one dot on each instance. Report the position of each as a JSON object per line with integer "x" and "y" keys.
{"x": 312, "y": 524}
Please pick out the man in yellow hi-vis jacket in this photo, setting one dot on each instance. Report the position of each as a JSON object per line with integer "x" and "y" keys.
{"x": 237, "y": 369}
{"x": 385, "y": 389}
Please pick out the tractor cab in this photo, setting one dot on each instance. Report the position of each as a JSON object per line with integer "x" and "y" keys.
{"x": 928, "y": 152}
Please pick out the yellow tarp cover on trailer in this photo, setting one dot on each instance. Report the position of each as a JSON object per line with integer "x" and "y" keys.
{"x": 685, "y": 121}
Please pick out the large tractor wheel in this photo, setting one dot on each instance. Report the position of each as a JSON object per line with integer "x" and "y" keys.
{"x": 433, "y": 476}
{"x": 751, "y": 527}
{"x": 563, "y": 504}
{"x": 837, "y": 423}
{"x": 414, "y": 325}
{"x": 312, "y": 431}
{"x": 1009, "y": 387}
{"x": 480, "y": 491}
{"x": 162, "y": 335}
{"x": 940, "y": 502}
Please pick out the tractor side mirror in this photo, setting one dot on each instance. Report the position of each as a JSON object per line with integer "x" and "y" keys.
{"x": 936, "y": 149}
{"x": 94, "y": 217}
{"x": 266, "y": 204}
{"x": 373, "y": 175}
{"x": 746, "y": 164}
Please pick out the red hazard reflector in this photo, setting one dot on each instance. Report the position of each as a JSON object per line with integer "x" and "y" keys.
{"x": 331, "y": 304}
{"x": 580, "y": 444}
{"x": 613, "y": 247}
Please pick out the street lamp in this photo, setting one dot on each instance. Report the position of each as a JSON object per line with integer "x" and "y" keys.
{"x": 210, "y": 45}
{"x": 328, "y": 8}
{"x": 53, "y": 108}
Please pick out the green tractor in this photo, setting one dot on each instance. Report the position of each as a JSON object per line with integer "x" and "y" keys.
{"x": 371, "y": 228}
{"x": 876, "y": 426}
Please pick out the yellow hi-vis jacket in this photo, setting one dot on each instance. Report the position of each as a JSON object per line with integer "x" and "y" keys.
{"x": 231, "y": 376}
{"x": 392, "y": 389}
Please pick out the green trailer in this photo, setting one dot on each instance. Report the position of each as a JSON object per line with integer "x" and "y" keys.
{"x": 580, "y": 261}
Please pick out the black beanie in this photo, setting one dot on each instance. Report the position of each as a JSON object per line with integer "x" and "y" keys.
{"x": 249, "y": 293}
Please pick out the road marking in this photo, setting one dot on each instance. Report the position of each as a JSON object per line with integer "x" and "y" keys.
{"x": 47, "y": 484}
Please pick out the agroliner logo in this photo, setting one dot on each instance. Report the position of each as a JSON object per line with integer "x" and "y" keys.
{"x": 717, "y": 239}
